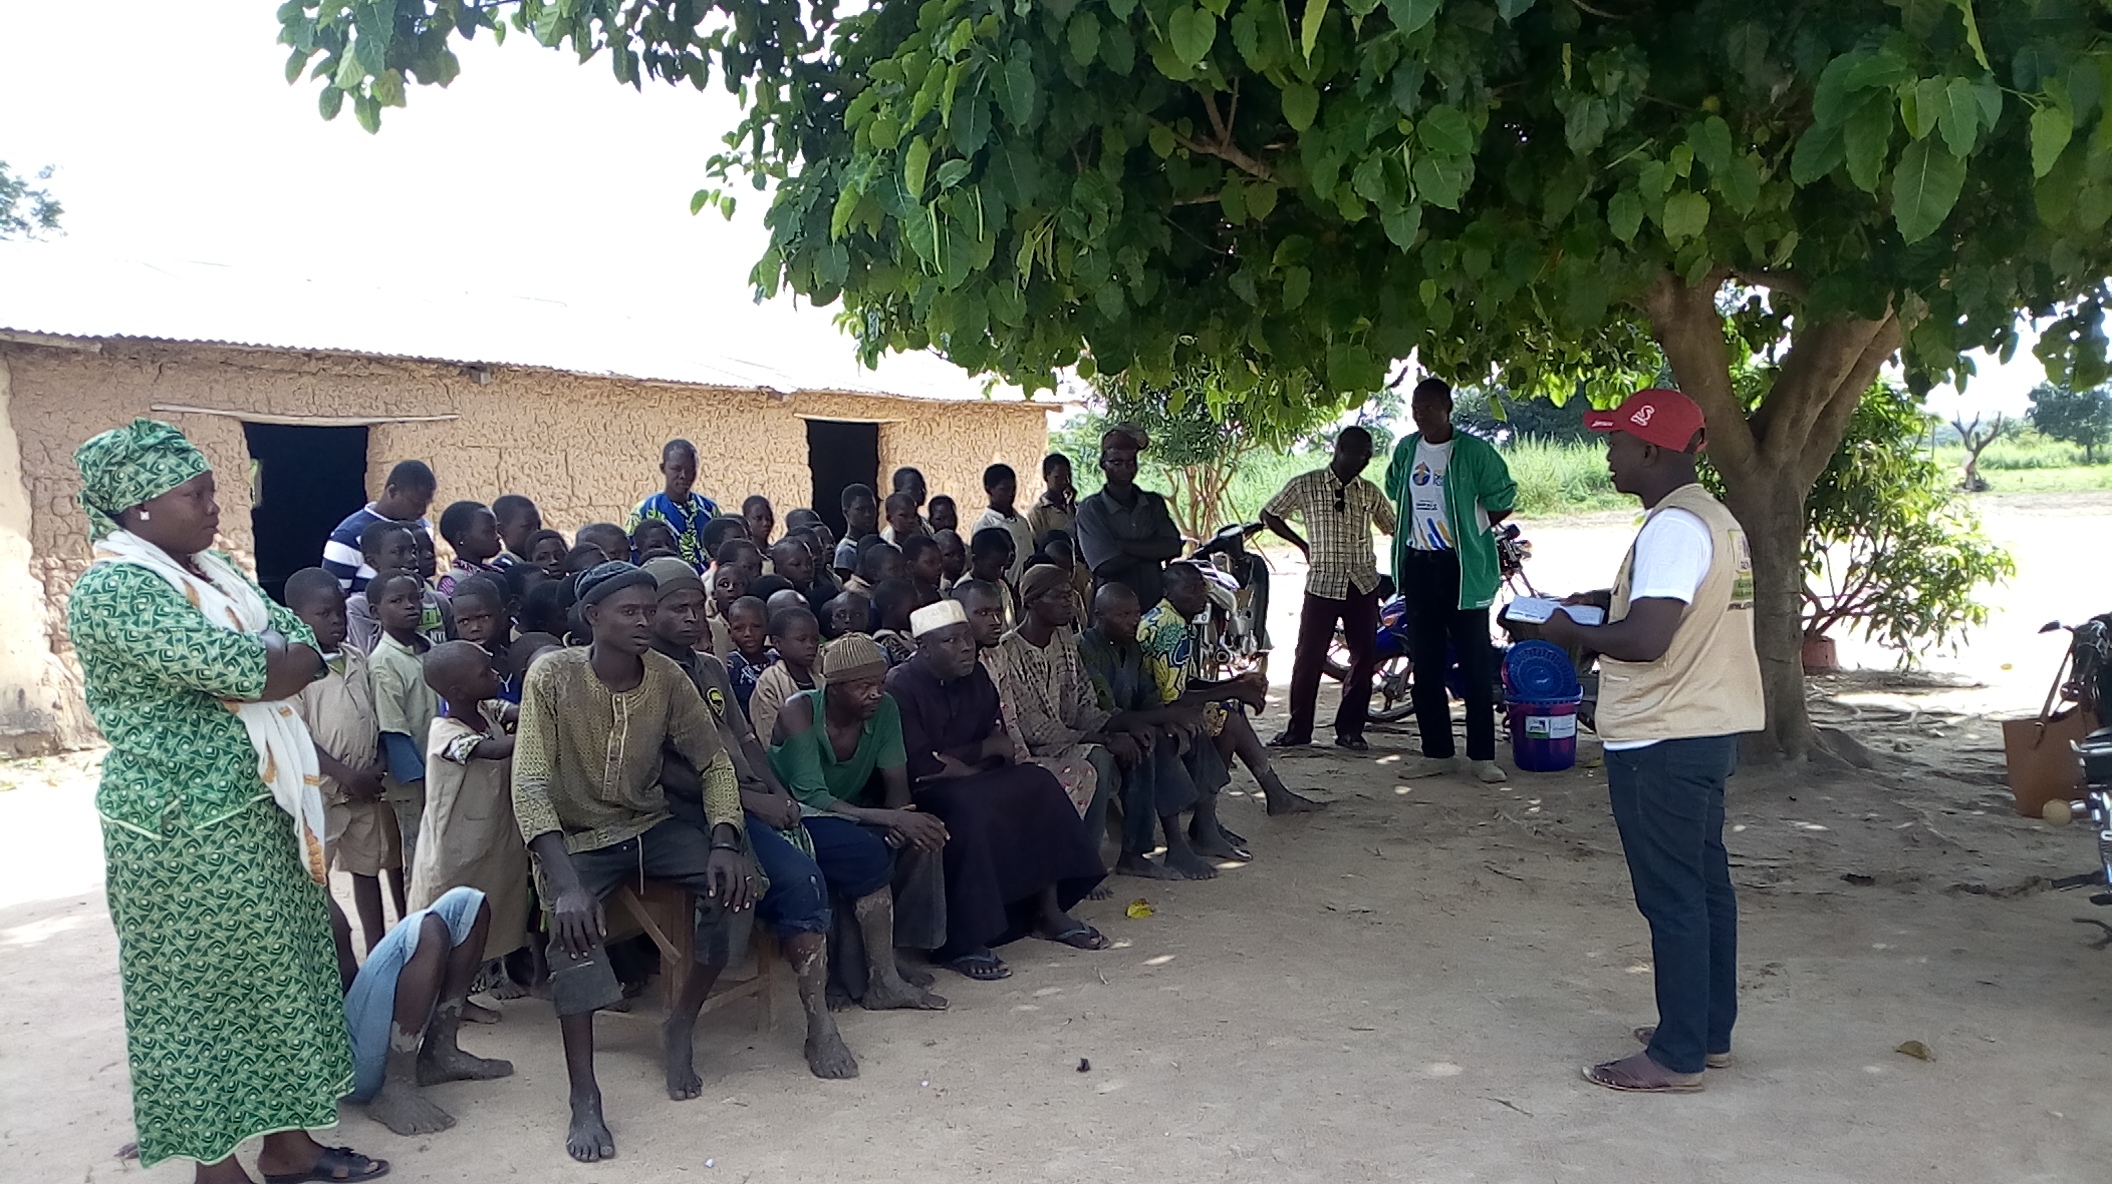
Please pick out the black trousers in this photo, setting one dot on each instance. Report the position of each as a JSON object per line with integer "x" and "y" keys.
{"x": 1668, "y": 802}
{"x": 1359, "y": 615}
{"x": 1438, "y": 629}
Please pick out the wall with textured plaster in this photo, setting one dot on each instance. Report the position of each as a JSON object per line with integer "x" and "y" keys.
{"x": 586, "y": 448}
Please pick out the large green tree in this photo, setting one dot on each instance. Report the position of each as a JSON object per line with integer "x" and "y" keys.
{"x": 1536, "y": 193}
{"x": 2079, "y": 417}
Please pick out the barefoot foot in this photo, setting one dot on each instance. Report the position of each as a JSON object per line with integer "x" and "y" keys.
{"x": 682, "y": 1080}
{"x": 1101, "y": 892}
{"x": 1285, "y": 802}
{"x": 1189, "y": 865}
{"x": 404, "y": 1110}
{"x": 828, "y": 1056}
{"x": 437, "y": 1064}
{"x": 477, "y": 1013}
{"x": 1144, "y": 868}
{"x": 589, "y": 1139}
{"x": 915, "y": 976}
{"x": 1212, "y": 843}
{"x": 893, "y": 994}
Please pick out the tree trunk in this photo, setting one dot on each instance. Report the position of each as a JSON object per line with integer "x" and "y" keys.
{"x": 1769, "y": 457}
{"x": 1774, "y": 519}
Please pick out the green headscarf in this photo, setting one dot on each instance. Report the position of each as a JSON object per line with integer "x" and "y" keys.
{"x": 125, "y": 466}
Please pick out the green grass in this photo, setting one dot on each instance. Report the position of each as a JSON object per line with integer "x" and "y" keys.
{"x": 1555, "y": 479}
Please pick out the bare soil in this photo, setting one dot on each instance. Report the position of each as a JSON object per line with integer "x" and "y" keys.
{"x": 1400, "y": 988}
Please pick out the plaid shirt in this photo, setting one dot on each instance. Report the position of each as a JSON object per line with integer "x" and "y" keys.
{"x": 1337, "y": 519}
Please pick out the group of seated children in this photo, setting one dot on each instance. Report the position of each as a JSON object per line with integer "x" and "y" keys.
{"x": 894, "y": 744}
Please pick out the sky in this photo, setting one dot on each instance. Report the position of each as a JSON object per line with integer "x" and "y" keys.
{"x": 176, "y": 137}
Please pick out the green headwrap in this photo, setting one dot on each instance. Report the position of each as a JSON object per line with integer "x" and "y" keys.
{"x": 125, "y": 466}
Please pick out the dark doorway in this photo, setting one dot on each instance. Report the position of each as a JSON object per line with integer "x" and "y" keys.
{"x": 840, "y": 454}
{"x": 305, "y": 480}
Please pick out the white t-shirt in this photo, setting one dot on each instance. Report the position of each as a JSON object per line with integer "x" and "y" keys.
{"x": 1672, "y": 557}
{"x": 1432, "y": 527}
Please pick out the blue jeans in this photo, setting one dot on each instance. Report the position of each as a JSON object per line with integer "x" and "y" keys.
{"x": 847, "y": 858}
{"x": 1668, "y": 803}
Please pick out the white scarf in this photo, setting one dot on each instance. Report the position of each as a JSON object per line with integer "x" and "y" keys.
{"x": 285, "y": 751}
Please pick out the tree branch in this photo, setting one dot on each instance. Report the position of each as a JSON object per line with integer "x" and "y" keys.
{"x": 1786, "y": 282}
{"x": 1226, "y": 152}
{"x": 1829, "y": 422}
{"x": 1688, "y": 328}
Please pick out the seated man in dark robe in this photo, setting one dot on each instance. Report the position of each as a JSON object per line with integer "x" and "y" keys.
{"x": 1182, "y": 770}
{"x": 1017, "y": 854}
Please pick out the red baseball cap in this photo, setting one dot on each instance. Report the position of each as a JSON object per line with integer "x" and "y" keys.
{"x": 1657, "y": 416}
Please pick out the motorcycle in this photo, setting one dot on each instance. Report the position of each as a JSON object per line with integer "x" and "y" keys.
{"x": 1393, "y": 669}
{"x": 1233, "y": 636}
{"x": 2089, "y": 686}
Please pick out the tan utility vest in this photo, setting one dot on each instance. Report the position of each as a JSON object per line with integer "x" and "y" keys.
{"x": 1708, "y": 681}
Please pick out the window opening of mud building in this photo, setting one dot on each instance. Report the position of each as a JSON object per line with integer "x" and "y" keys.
{"x": 304, "y": 481}
{"x": 840, "y": 453}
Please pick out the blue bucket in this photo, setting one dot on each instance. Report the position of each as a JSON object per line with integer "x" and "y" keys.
{"x": 1544, "y": 733}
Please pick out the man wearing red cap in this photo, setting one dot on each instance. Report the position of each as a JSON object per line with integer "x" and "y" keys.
{"x": 1679, "y": 680}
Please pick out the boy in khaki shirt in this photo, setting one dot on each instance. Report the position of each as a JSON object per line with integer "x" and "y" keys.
{"x": 360, "y": 828}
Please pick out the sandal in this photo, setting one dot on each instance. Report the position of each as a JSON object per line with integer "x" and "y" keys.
{"x": 1715, "y": 1060}
{"x": 1083, "y": 937}
{"x": 1611, "y": 1076}
{"x": 336, "y": 1165}
{"x": 983, "y": 968}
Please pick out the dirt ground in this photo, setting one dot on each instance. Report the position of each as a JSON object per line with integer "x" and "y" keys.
{"x": 1400, "y": 988}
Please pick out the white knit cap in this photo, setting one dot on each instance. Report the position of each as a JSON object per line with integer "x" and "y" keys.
{"x": 937, "y": 616}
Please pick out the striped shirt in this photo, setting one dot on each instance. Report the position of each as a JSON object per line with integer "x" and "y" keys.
{"x": 1337, "y": 519}
{"x": 341, "y": 555}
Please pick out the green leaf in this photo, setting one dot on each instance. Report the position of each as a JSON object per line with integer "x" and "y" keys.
{"x": 1867, "y": 137}
{"x": 1019, "y": 91}
{"x": 915, "y": 160}
{"x": 1085, "y": 39}
{"x": 1818, "y": 153}
{"x": 1162, "y": 140}
{"x": 1921, "y": 105}
{"x": 368, "y": 112}
{"x": 1509, "y": 9}
{"x": 1686, "y": 215}
{"x": 1440, "y": 180}
{"x": 1924, "y": 188}
{"x": 1445, "y": 131}
{"x": 1624, "y": 215}
{"x": 330, "y": 101}
{"x": 1232, "y": 199}
{"x": 1191, "y": 31}
{"x": 1740, "y": 183}
{"x": 1584, "y": 125}
{"x": 1958, "y": 115}
{"x": 1309, "y": 29}
{"x": 1410, "y": 15}
{"x": 1711, "y": 142}
{"x": 1261, "y": 199}
{"x": 2051, "y": 129}
{"x": 1301, "y": 103}
{"x": 1972, "y": 33}
{"x": 951, "y": 172}
{"x": 1403, "y": 225}
{"x": 1297, "y": 282}
{"x": 1369, "y": 180}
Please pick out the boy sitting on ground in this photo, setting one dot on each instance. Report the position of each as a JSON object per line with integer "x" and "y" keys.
{"x": 359, "y": 827}
{"x": 404, "y": 1011}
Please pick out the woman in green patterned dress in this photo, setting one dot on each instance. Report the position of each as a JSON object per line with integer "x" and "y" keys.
{"x": 211, "y": 831}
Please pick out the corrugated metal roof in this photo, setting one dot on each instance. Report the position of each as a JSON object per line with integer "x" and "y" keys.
{"x": 58, "y": 289}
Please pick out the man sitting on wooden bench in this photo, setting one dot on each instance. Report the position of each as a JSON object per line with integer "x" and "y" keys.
{"x": 586, "y": 790}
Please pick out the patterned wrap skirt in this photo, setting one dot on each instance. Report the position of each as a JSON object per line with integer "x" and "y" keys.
{"x": 234, "y": 1016}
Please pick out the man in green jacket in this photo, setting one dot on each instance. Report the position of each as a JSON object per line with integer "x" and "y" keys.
{"x": 1449, "y": 488}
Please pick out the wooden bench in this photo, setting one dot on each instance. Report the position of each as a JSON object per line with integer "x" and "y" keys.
{"x": 666, "y": 914}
